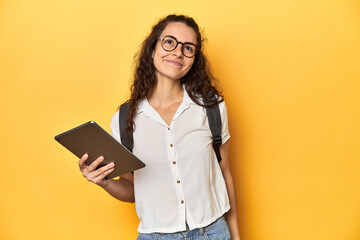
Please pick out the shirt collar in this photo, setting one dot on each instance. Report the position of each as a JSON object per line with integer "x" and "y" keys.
{"x": 144, "y": 105}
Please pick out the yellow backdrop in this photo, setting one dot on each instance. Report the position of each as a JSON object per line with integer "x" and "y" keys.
{"x": 290, "y": 71}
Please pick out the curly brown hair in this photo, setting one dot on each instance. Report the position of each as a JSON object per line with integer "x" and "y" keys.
{"x": 199, "y": 81}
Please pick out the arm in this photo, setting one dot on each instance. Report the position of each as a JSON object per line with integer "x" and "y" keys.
{"x": 232, "y": 215}
{"x": 122, "y": 189}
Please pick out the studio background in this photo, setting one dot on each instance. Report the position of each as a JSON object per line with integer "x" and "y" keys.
{"x": 290, "y": 72}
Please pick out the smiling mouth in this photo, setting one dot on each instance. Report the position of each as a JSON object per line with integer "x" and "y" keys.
{"x": 174, "y": 63}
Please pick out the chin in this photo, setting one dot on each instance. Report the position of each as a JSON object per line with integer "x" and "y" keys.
{"x": 175, "y": 76}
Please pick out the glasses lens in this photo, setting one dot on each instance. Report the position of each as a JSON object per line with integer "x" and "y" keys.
{"x": 189, "y": 50}
{"x": 168, "y": 43}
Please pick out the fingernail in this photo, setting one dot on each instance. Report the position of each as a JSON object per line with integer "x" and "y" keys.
{"x": 112, "y": 164}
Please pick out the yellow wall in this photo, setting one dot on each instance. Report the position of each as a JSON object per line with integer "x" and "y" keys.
{"x": 290, "y": 72}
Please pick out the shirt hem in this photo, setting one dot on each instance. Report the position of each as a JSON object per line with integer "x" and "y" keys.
{"x": 207, "y": 223}
{"x": 161, "y": 230}
{"x": 183, "y": 228}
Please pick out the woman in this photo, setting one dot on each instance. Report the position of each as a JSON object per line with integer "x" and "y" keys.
{"x": 183, "y": 191}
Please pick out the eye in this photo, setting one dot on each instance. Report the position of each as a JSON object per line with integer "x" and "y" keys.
{"x": 189, "y": 48}
{"x": 169, "y": 41}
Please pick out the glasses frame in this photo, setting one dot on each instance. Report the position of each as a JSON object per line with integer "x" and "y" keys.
{"x": 177, "y": 43}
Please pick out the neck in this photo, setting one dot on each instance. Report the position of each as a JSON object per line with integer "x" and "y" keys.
{"x": 166, "y": 92}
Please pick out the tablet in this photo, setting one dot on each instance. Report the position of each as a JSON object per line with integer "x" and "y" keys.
{"x": 90, "y": 138}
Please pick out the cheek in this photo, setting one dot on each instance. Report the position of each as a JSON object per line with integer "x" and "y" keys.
{"x": 158, "y": 61}
{"x": 189, "y": 64}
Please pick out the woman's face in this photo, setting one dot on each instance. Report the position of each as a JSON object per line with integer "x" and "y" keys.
{"x": 173, "y": 64}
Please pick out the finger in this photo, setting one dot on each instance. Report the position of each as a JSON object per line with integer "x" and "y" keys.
{"x": 95, "y": 163}
{"x": 83, "y": 160}
{"x": 96, "y": 173}
{"x": 89, "y": 171}
{"x": 101, "y": 178}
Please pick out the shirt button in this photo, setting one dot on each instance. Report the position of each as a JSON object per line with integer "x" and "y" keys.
{"x": 174, "y": 162}
{"x": 171, "y": 145}
{"x": 168, "y": 128}
{"x": 182, "y": 201}
{"x": 178, "y": 181}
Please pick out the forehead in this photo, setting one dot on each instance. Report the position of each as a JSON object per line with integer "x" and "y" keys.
{"x": 181, "y": 31}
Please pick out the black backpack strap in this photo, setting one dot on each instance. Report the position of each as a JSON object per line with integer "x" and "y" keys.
{"x": 214, "y": 119}
{"x": 126, "y": 139}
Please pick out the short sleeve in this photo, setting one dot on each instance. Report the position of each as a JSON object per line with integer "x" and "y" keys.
{"x": 225, "y": 134}
{"x": 115, "y": 128}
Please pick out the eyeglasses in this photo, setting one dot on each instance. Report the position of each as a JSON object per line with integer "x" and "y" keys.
{"x": 170, "y": 43}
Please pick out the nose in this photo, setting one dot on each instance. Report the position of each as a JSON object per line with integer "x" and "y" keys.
{"x": 178, "y": 50}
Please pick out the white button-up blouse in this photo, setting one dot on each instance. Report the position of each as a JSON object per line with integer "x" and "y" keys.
{"x": 182, "y": 181}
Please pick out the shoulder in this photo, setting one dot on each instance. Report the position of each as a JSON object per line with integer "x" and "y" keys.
{"x": 222, "y": 104}
{"x": 220, "y": 101}
{"x": 114, "y": 123}
{"x": 114, "y": 126}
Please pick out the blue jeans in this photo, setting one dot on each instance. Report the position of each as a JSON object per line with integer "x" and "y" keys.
{"x": 218, "y": 230}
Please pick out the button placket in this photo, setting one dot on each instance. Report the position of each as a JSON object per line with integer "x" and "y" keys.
{"x": 175, "y": 172}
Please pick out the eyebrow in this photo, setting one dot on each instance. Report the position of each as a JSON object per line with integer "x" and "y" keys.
{"x": 180, "y": 41}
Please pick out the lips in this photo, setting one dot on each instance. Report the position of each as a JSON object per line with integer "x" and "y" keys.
{"x": 175, "y": 63}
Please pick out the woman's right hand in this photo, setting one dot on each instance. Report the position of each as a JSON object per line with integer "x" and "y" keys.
{"x": 94, "y": 175}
